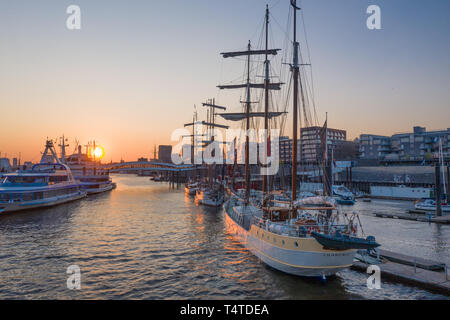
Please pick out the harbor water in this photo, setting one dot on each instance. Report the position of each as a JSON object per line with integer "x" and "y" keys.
{"x": 147, "y": 241}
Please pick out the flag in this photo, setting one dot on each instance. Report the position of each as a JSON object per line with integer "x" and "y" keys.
{"x": 323, "y": 133}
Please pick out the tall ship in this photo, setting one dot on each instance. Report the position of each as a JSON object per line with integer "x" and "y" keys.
{"x": 86, "y": 167}
{"x": 48, "y": 183}
{"x": 207, "y": 191}
{"x": 302, "y": 236}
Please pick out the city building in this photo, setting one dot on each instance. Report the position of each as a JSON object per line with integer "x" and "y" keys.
{"x": 5, "y": 165}
{"x": 374, "y": 146}
{"x": 142, "y": 159}
{"x": 309, "y": 143}
{"x": 346, "y": 150}
{"x": 285, "y": 150}
{"x": 416, "y": 145}
{"x": 165, "y": 154}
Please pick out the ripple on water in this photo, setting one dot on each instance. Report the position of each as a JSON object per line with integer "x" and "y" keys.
{"x": 144, "y": 241}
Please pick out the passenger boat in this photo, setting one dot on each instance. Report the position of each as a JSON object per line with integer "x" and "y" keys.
{"x": 87, "y": 169}
{"x": 45, "y": 185}
{"x": 281, "y": 233}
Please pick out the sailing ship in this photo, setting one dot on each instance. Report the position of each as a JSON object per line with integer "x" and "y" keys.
{"x": 48, "y": 183}
{"x": 210, "y": 191}
{"x": 287, "y": 235}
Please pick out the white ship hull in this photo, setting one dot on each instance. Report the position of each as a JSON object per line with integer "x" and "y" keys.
{"x": 203, "y": 198}
{"x": 190, "y": 191}
{"x": 42, "y": 203}
{"x": 103, "y": 188}
{"x": 307, "y": 258}
{"x": 431, "y": 208}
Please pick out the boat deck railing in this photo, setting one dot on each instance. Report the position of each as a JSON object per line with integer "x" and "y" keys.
{"x": 294, "y": 230}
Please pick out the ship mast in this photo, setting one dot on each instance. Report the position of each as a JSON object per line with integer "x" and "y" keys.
{"x": 295, "y": 70}
{"x": 211, "y": 125}
{"x": 63, "y": 146}
{"x": 248, "y": 85}
{"x": 247, "y": 127}
{"x": 266, "y": 103}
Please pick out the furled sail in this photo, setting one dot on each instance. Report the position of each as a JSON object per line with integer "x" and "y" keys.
{"x": 271, "y": 86}
{"x": 241, "y": 116}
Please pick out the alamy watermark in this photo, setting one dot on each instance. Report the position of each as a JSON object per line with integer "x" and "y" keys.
{"x": 73, "y": 21}
{"x": 217, "y": 148}
{"x": 74, "y": 280}
{"x": 374, "y": 20}
{"x": 374, "y": 281}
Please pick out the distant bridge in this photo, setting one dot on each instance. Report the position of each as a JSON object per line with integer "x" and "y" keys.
{"x": 148, "y": 166}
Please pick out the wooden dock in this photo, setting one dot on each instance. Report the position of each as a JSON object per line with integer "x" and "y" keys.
{"x": 414, "y": 217}
{"x": 427, "y": 279}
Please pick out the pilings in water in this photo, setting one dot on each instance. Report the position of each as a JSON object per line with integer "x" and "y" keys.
{"x": 448, "y": 183}
{"x": 438, "y": 189}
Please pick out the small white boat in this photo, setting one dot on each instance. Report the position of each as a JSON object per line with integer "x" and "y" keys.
{"x": 191, "y": 188}
{"x": 208, "y": 197}
{"x": 343, "y": 195}
{"x": 430, "y": 205}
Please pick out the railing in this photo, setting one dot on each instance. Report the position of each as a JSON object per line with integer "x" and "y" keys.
{"x": 298, "y": 230}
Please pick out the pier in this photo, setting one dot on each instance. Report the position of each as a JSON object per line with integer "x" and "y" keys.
{"x": 415, "y": 217}
{"x": 414, "y": 275}
{"x": 412, "y": 261}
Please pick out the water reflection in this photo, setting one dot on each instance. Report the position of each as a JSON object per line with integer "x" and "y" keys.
{"x": 147, "y": 241}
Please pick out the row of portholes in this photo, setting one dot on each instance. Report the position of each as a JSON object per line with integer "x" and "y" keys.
{"x": 275, "y": 240}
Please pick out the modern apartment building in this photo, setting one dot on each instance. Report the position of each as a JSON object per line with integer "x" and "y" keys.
{"x": 309, "y": 143}
{"x": 285, "y": 149}
{"x": 417, "y": 145}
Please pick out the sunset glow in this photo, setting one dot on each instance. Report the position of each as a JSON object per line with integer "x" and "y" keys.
{"x": 98, "y": 153}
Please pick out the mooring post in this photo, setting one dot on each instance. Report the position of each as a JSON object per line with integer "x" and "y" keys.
{"x": 446, "y": 271}
{"x": 448, "y": 184}
{"x": 437, "y": 188}
{"x": 415, "y": 265}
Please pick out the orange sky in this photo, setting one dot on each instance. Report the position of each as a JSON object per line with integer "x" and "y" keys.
{"x": 133, "y": 73}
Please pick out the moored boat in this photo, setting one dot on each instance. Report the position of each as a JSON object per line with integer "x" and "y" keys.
{"x": 191, "y": 188}
{"x": 283, "y": 239}
{"x": 343, "y": 195}
{"x": 279, "y": 229}
{"x": 429, "y": 204}
{"x": 45, "y": 185}
{"x": 209, "y": 197}
{"x": 88, "y": 170}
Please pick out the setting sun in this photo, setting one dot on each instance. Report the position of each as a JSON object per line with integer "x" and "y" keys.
{"x": 98, "y": 153}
